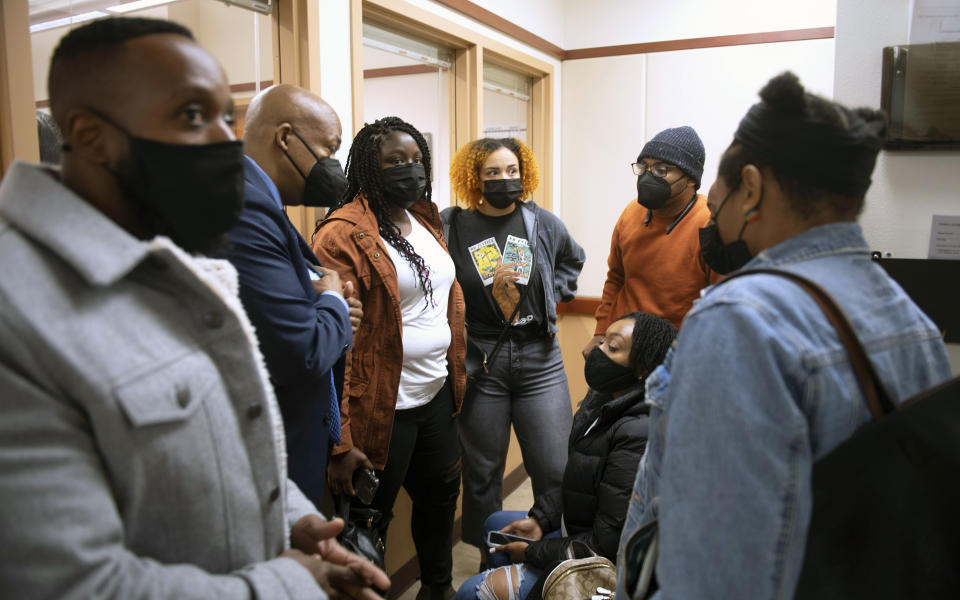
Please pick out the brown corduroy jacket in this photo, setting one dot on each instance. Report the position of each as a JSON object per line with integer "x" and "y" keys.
{"x": 349, "y": 243}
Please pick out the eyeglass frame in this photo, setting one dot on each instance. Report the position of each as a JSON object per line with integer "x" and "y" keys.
{"x": 640, "y": 167}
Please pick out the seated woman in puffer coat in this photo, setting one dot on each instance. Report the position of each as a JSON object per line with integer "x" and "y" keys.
{"x": 607, "y": 440}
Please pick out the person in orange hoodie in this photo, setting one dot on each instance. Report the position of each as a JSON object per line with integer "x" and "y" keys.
{"x": 655, "y": 264}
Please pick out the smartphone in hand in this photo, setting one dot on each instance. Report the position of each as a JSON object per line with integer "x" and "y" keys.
{"x": 365, "y": 482}
{"x": 500, "y": 538}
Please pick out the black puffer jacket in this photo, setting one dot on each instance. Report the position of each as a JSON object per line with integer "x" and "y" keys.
{"x": 598, "y": 478}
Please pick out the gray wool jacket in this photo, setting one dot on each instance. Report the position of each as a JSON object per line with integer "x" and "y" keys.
{"x": 141, "y": 450}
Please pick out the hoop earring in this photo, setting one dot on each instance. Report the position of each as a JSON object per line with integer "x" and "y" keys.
{"x": 752, "y": 215}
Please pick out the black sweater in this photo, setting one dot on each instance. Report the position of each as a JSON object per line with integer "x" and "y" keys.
{"x": 598, "y": 478}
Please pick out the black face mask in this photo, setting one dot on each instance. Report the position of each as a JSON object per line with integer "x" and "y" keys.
{"x": 653, "y": 192}
{"x": 325, "y": 183}
{"x": 723, "y": 258}
{"x": 404, "y": 184}
{"x": 604, "y": 375}
{"x": 501, "y": 193}
{"x": 191, "y": 192}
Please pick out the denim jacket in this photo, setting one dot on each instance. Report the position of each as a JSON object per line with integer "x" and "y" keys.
{"x": 756, "y": 389}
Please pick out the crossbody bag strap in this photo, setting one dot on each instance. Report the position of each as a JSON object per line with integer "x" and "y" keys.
{"x": 871, "y": 386}
{"x": 506, "y": 328}
{"x": 516, "y": 310}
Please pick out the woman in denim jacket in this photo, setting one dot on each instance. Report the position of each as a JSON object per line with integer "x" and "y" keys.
{"x": 759, "y": 386}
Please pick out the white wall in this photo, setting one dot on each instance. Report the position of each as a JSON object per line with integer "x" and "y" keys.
{"x": 591, "y": 23}
{"x": 908, "y": 187}
{"x": 612, "y": 106}
{"x": 544, "y": 18}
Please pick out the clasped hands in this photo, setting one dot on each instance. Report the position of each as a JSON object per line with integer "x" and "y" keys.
{"x": 330, "y": 281}
{"x": 340, "y": 573}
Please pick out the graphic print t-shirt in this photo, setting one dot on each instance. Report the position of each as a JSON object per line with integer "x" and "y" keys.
{"x": 481, "y": 243}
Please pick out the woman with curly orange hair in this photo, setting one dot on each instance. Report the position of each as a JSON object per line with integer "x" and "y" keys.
{"x": 514, "y": 261}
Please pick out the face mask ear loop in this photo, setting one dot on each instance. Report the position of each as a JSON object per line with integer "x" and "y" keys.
{"x": 287, "y": 154}
{"x": 752, "y": 215}
{"x": 294, "y": 164}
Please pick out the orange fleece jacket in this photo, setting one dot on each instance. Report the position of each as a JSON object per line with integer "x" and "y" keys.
{"x": 651, "y": 271}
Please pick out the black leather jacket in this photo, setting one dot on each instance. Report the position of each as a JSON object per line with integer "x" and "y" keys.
{"x": 598, "y": 478}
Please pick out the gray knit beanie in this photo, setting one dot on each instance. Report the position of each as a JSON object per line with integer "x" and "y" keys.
{"x": 680, "y": 146}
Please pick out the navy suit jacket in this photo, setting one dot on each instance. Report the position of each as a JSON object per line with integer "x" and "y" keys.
{"x": 303, "y": 336}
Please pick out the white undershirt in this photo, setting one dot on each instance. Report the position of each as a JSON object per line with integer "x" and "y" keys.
{"x": 426, "y": 331}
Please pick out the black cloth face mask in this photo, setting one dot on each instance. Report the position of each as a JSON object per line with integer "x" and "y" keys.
{"x": 653, "y": 192}
{"x": 723, "y": 258}
{"x": 404, "y": 184}
{"x": 193, "y": 192}
{"x": 325, "y": 183}
{"x": 604, "y": 375}
{"x": 501, "y": 193}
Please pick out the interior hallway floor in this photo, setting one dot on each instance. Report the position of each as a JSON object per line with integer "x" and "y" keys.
{"x": 466, "y": 558}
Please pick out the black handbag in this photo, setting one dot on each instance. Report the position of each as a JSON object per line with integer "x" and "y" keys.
{"x": 885, "y": 521}
{"x": 363, "y": 531}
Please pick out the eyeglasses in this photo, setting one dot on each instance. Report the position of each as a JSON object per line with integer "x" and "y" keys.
{"x": 660, "y": 169}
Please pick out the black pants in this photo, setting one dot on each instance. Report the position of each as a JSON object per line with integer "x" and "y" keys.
{"x": 425, "y": 459}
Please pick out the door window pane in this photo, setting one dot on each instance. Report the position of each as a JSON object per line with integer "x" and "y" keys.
{"x": 411, "y": 78}
{"x": 241, "y": 39}
{"x": 506, "y": 102}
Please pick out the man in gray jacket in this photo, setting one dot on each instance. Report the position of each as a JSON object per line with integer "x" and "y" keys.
{"x": 141, "y": 450}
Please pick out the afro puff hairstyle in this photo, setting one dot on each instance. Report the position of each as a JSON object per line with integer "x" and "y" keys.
{"x": 466, "y": 164}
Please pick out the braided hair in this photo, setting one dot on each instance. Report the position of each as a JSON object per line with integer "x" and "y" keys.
{"x": 652, "y": 337}
{"x": 364, "y": 176}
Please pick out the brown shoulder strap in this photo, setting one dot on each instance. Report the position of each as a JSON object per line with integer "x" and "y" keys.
{"x": 876, "y": 395}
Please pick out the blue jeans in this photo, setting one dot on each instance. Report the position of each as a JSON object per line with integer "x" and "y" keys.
{"x": 526, "y": 386}
{"x": 528, "y": 573}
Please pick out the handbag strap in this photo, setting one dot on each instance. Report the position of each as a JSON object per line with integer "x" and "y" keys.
{"x": 516, "y": 309}
{"x": 572, "y": 554}
{"x": 503, "y": 334}
{"x": 871, "y": 386}
{"x": 341, "y": 507}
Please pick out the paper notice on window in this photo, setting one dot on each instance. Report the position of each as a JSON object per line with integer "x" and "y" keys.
{"x": 486, "y": 258}
{"x": 945, "y": 237}
{"x": 517, "y": 252}
{"x": 934, "y": 21}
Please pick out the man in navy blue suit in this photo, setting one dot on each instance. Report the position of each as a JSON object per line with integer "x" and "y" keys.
{"x": 302, "y": 313}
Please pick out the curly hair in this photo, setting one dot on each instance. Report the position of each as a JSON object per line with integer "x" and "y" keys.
{"x": 652, "y": 337}
{"x": 364, "y": 176}
{"x": 466, "y": 164}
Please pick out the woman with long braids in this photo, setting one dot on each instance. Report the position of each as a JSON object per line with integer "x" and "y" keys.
{"x": 515, "y": 261}
{"x": 404, "y": 378}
